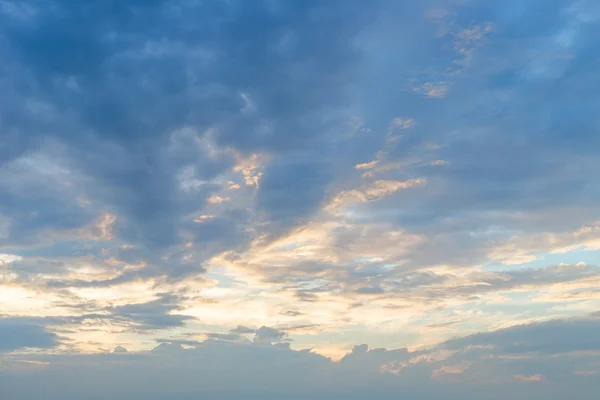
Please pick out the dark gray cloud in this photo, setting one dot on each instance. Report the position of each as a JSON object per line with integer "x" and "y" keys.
{"x": 182, "y": 342}
{"x": 372, "y": 361}
{"x": 263, "y": 335}
{"x": 155, "y": 314}
{"x": 144, "y": 317}
{"x": 268, "y": 335}
{"x": 292, "y": 189}
{"x": 552, "y": 337}
{"x": 19, "y": 333}
{"x": 291, "y": 313}
{"x": 225, "y": 336}
{"x": 120, "y": 350}
{"x": 271, "y": 370}
{"x": 90, "y": 134}
{"x": 254, "y": 76}
{"x": 241, "y": 330}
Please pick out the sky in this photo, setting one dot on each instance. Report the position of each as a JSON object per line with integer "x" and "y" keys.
{"x": 266, "y": 199}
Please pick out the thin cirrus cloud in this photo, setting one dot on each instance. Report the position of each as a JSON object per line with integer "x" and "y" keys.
{"x": 230, "y": 198}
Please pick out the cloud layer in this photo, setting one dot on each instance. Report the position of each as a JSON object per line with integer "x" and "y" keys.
{"x": 207, "y": 184}
{"x": 471, "y": 367}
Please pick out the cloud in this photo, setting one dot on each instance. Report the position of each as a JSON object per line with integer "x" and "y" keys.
{"x": 554, "y": 337}
{"x": 155, "y": 314}
{"x": 120, "y": 349}
{"x": 291, "y": 190}
{"x": 20, "y": 333}
{"x": 129, "y": 159}
{"x": 241, "y": 182}
{"x": 262, "y": 368}
{"x": 530, "y": 378}
{"x": 268, "y": 335}
{"x": 242, "y": 330}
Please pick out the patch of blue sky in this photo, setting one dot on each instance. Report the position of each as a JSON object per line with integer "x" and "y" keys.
{"x": 543, "y": 260}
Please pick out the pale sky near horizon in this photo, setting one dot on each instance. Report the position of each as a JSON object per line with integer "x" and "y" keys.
{"x": 263, "y": 198}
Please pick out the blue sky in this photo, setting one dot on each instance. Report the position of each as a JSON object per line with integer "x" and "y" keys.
{"x": 324, "y": 199}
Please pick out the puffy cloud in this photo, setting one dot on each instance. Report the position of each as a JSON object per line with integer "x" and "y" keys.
{"x": 120, "y": 349}
{"x": 107, "y": 145}
{"x": 209, "y": 367}
{"x": 268, "y": 335}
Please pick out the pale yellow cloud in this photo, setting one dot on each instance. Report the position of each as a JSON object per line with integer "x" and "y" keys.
{"x": 100, "y": 229}
{"x": 438, "y": 163}
{"x": 203, "y": 218}
{"x": 402, "y": 123}
{"x": 6, "y": 259}
{"x": 524, "y": 248}
{"x": 381, "y": 188}
{"x": 232, "y": 185}
{"x": 25, "y": 302}
{"x": 250, "y": 167}
{"x": 217, "y": 199}
{"x": 367, "y": 165}
{"x": 437, "y": 90}
{"x": 368, "y": 192}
